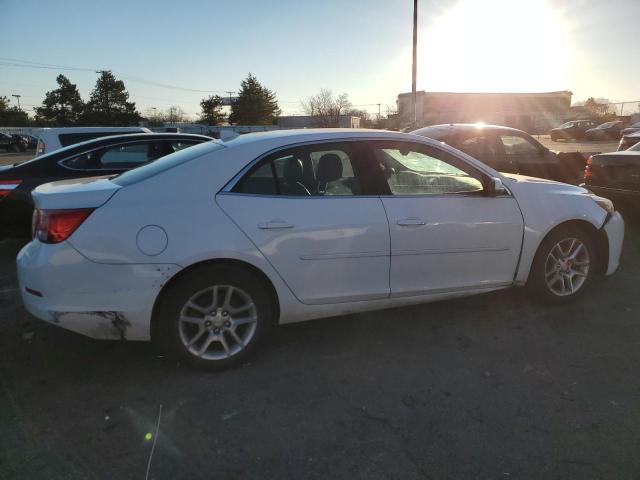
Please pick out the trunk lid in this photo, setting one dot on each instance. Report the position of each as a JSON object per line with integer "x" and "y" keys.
{"x": 90, "y": 192}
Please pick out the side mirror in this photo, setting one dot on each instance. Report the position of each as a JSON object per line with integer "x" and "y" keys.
{"x": 497, "y": 188}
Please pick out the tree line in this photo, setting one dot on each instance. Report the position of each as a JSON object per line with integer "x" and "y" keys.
{"x": 109, "y": 105}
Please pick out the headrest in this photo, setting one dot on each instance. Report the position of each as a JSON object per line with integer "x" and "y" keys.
{"x": 329, "y": 168}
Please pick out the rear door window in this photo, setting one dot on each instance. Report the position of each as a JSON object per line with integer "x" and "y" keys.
{"x": 314, "y": 170}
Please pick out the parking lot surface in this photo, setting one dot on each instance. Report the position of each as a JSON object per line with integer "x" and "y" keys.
{"x": 8, "y": 158}
{"x": 491, "y": 386}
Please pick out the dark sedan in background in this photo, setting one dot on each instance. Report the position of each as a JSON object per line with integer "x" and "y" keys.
{"x": 102, "y": 156}
{"x": 615, "y": 175}
{"x": 509, "y": 150}
{"x": 631, "y": 129}
{"x": 573, "y": 130}
{"x": 628, "y": 141}
{"x": 606, "y": 131}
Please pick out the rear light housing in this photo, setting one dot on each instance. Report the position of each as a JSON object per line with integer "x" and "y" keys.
{"x": 55, "y": 226}
{"x": 8, "y": 186}
{"x": 40, "y": 147}
{"x": 587, "y": 169}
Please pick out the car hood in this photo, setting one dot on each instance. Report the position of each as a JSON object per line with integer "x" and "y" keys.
{"x": 512, "y": 180}
{"x": 89, "y": 192}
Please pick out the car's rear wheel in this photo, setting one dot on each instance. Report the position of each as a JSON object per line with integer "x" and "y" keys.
{"x": 563, "y": 266}
{"x": 215, "y": 316}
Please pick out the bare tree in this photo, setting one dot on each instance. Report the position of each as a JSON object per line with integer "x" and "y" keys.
{"x": 326, "y": 108}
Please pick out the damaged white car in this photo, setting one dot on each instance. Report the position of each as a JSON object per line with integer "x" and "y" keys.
{"x": 207, "y": 249}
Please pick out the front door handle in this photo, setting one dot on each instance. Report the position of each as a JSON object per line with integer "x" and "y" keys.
{"x": 411, "y": 222}
{"x": 274, "y": 225}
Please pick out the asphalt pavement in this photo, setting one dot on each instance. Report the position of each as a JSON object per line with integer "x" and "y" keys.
{"x": 487, "y": 387}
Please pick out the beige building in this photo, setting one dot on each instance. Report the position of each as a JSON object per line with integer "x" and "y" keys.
{"x": 309, "y": 121}
{"x": 532, "y": 112}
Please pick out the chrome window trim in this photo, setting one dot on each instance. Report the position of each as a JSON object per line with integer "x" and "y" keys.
{"x": 230, "y": 185}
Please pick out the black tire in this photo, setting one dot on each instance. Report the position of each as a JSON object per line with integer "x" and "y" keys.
{"x": 175, "y": 332}
{"x": 542, "y": 263}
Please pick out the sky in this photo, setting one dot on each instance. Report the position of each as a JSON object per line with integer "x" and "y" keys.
{"x": 362, "y": 48}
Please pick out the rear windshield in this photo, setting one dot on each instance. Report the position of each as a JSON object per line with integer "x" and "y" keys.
{"x": 165, "y": 163}
{"x": 435, "y": 133}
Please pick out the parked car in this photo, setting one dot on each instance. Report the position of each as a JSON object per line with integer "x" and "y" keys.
{"x": 102, "y": 156}
{"x": 628, "y": 141}
{"x": 631, "y": 129}
{"x": 616, "y": 174}
{"x": 573, "y": 130}
{"x": 508, "y": 150}
{"x": 606, "y": 131}
{"x": 205, "y": 250}
{"x": 51, "y": 139}
{"x": 12, "y": 143}
{"x": 32, "y": 142}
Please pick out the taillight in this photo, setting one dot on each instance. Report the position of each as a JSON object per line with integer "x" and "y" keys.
{"x": 55, "y": 226}
{"x": 8, "y": 186}
{"x": 587, "y": 169}
{"x": 40, "y": 147}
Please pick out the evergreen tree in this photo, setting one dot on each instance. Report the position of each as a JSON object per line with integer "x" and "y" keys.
{"x": 211, "y": 110}
{"x": 62, "y": 106}
{"x": 108, "y": 104}
{"x": 256, "y": 105}
{"x": 12, "y": 116}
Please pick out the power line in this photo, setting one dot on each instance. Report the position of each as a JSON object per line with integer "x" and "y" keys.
{"x": 12, "y": 62}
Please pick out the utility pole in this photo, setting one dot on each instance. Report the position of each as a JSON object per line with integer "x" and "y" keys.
{"x": 229, "y": 92}
{"x": 379, "y": 117}
{"x": 18, "y": 97}
{"x": 415, "y": 61}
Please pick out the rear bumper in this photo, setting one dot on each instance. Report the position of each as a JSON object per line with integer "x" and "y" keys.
{"x": 612, "y": 192}
{"x": 614, "y": 228}
{"x": 103, "y": 301}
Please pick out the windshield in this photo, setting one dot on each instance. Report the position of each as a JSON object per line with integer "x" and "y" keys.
{"x": 566, "y": 125}
{"x": 607, "y": 125}
{"x": 635, "y": 148}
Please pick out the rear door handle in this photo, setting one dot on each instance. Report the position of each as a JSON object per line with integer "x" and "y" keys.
{"x": 411, "y": 222}
{"x": 274, "y": 225}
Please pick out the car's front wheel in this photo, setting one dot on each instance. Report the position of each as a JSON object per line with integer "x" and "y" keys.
{"x": 563, "y": 266}
{"x": 215, "y": 316}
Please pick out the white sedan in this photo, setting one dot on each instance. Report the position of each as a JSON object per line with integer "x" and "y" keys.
{"x": 206, "y": 249}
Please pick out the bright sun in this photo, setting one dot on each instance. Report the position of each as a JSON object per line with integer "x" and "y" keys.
{"x": 493, "y": 45}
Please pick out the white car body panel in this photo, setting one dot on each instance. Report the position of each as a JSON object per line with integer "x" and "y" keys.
{"x": 108, "y": 274}
{"x": 325, "y": 253}
{"x": 452, "y": 242}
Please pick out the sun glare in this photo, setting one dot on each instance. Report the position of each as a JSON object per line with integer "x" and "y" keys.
{"x": 494, "y": 45}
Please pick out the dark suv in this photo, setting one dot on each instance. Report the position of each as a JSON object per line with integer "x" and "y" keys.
{"x": 12, "y": 143}
{"x": 509, "y": 150}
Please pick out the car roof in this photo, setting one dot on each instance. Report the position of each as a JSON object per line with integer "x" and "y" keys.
{"x": 285, "y": 137}
{"x": 457, "y": 127}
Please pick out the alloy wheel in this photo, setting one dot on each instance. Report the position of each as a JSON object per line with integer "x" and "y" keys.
{"x": 217, "y": 322}
{"x": 567, "y": 267}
